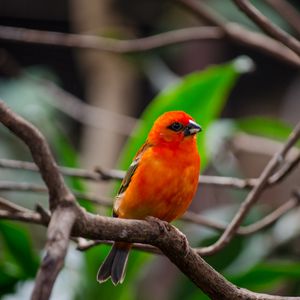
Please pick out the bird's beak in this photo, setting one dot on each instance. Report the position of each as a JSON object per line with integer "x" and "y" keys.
{"x": 192, "y": 128}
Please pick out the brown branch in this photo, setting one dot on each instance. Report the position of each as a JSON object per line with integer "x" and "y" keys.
{"x": 195, "y": 218}
{"x": 267, "y": 221}
{"x": 108, "y": 44}
{"x": 270, "y": 218}
{"x": 58, "y": 235}
{"x": 240, "y": 35}
{"x": 270, "y": 28}
{"x": 98, "y": 175}
{"x": 61, "y": 201}
{"x": 288, "y": 12}
{"x": 83, "y": 245}
{"x": 174, "y": 246}
{"x": 11, "y": 207}
{"x": 189, "y": 216}
{"x": 84, "y": 113}
{"x": 12, "y": 211}
{"x": 101, "y": 174}
{"x": 234, "y": 31}
{"x": 40, "y": 153}
{"x": 171, "y": 243}
{"x": 36, "y": 188}
{"x": 253, "y": 195}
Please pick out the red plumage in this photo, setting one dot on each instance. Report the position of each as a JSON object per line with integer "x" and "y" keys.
{"x": 160, "y": 182}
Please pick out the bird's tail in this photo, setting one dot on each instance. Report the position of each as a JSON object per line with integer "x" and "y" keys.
{"x": 115, "y": 263}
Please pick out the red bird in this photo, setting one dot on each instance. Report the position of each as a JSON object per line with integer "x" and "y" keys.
{"x": 161, "y": 182}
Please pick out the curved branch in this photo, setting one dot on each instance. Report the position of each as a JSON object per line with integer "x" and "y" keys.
{"x": 62, "y": 202}
{"x": 108, "y": 44}
{"x": 253, "y": 195}
{"x": 266, "y": 25}
{"x": 40, "y": 153}
{"x": 174, "y": 246}
{"x": 241, "y": 35}
{"x": 288, "y": 12}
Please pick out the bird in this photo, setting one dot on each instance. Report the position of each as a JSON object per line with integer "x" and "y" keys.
{"x": 160, "y": 182}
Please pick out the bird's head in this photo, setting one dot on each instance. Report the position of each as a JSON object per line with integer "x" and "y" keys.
{"x": 174, "y": 127}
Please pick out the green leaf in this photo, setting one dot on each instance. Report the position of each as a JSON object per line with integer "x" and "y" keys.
{"x": 18, "y": 243}
{"x": 266, "y": 127}
{"x": 7, "y": 281}
{"x": 267, "y": 275}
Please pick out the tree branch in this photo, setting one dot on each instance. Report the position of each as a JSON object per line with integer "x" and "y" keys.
{"x": 174, "y": 246}
{"x": 40, "y": 153}
{"x": 37, "y": 188}
{"x": 288, "y": 12}
{"x": 241, "y": 35}
{"x": 265, "y": 24}
{"x": 253, "y": 195}
{"x": 233, "y": 30}
{"x": 267, "y": 221}
{"x": 108, "y": 44}
{"x": 101, "y": 174}
{"x": 62, "y": 202}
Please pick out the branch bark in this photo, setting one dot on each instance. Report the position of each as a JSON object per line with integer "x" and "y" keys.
{"x": 266, "y": 25}
{"x": 239, "y": 34}
{"x": 62, "y": 202}
{"x": 253, "y": 195}
{"x": 94, "y": 42}
{"x": 288, "y": 12}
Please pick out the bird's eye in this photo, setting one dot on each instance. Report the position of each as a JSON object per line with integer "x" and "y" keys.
{"x": 176, "y": 126}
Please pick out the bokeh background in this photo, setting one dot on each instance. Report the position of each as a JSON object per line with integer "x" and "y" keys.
{"x": 95, "y": 109}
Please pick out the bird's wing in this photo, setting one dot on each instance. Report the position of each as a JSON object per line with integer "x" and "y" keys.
{"x": 131, "y": 170}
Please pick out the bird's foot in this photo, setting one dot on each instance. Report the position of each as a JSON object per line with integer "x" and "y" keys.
{"x": 163, "y": 226}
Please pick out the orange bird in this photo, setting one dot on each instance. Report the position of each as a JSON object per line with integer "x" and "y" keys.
{"x": 160, "y": 182}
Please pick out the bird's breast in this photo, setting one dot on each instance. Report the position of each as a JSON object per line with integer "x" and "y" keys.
{"x": 163, "y": 186}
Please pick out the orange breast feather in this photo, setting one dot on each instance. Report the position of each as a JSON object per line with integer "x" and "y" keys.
{"x": 163, "y": 184}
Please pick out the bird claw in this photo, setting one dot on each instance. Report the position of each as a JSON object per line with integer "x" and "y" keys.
{"x": 163, "y": 226}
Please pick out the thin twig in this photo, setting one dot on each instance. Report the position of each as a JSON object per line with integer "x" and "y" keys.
{"x": 288, "y": 12}
{"x": 234, "y": 31}
{"x": 40, "y": 153}
{"x": 37, "y": 188}
{"x": 270, "y": 218}
{"x": 101, "y": 174}
{"x": 84, "y": 113}
{"x": 267, "y": 221}
{"x": 189, "y": 216}
{"x": 11, "y": 207}
{"x": 270, "y": 28}
{"x": 29, "y": 217}
{"x": 12, "y": 211}
{"x": 239, "y": 34}
{"x": 108, "y": 44}
{"x": 253, "y": 195}
{"x": 83, "y": 245}
{"x": 98, "y": 175}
